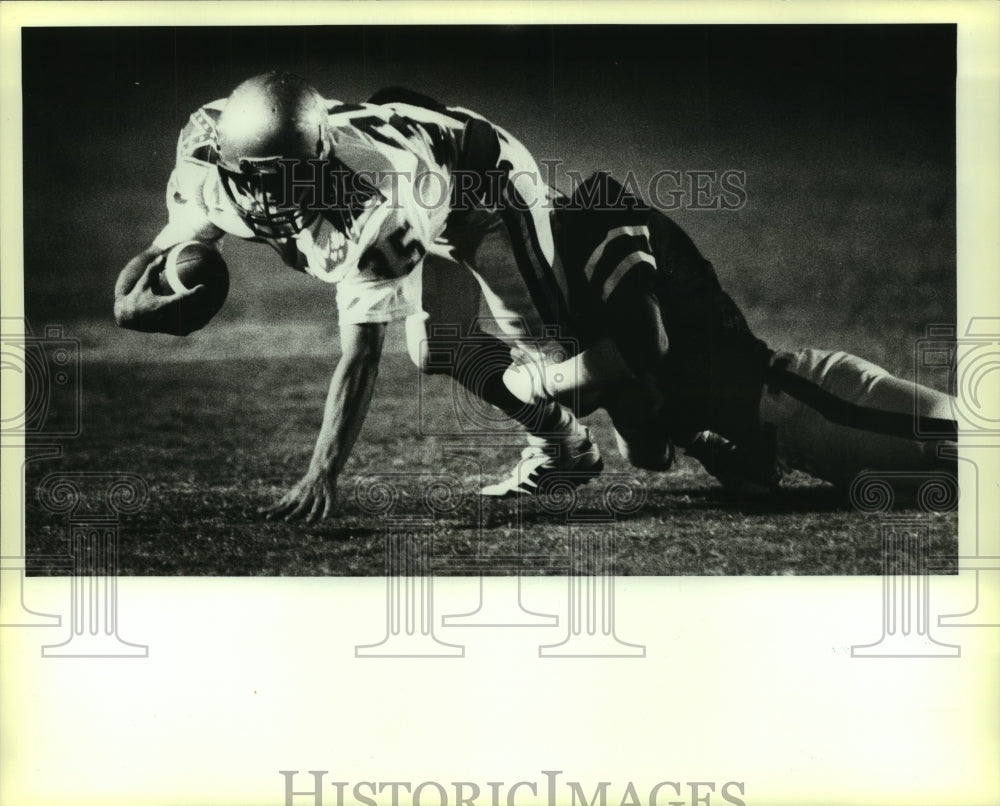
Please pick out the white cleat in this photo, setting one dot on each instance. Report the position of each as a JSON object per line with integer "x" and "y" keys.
{"x": 543, "y": 465}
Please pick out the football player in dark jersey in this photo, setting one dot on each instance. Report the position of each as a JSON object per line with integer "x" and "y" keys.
{"x": 671, "y": 357}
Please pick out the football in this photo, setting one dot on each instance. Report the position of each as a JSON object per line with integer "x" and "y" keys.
{"x": 190, "y": 264}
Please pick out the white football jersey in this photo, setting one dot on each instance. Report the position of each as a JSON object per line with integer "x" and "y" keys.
{"x": 406, "y": 152}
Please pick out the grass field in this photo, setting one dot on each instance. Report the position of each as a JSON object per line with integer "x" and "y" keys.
{"x": 847, "y": 241}
{"x": 221, "y": 423}
{"x": 216, "y": 440}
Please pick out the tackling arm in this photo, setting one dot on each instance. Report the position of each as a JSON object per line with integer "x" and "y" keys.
{"x": 347, "y": 405}
{"x": 630, "y": 355}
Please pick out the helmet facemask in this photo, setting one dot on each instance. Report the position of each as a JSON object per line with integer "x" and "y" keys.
{"x": 276, "y": 160}
{"x": 278, "y": 198}
{"x": 259, "y": 192}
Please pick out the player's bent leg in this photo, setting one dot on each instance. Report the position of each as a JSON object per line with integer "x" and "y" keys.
{"x": 510, "y": 253}
{"x": 583, "y": 382}
{"x": 560, "y": 448}
{"x": 835, "y": 415}
{"x": 599, "y": 377}
{"x": 446, "y": 339}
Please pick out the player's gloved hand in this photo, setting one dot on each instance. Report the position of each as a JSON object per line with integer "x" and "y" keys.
{"x": 311, "y": 498}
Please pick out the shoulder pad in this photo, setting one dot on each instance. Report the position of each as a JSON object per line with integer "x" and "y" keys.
{"x": 337, "y": 108}
{"x": 198, "y": 140}
{"x": 401, "y": 95}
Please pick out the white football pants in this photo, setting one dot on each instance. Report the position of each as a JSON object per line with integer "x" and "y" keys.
{"x": 494, "y": 266}
{"x": 835, "y": 415}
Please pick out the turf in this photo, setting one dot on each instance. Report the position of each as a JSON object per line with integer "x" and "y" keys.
{"x": 221, "y": 423}
{"x": 216, "y": 440}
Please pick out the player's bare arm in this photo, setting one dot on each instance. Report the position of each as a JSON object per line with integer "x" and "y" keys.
{"x": 347, "y": 403}
{"x": 138, "y": 306}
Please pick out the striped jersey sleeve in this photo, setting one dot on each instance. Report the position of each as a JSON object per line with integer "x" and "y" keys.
{"x": 621, "y": 284}
{"x": 605, "y": 244}
{"x": 432, "y": 136}
{"x": 623, "y": 253}
{"x": 609, "y": 267}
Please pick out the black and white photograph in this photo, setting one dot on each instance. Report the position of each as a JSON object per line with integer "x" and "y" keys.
{"x": 586, "y": 353}
{"x": 678, "y": 273}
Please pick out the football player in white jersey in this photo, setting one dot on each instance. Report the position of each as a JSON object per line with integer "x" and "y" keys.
{"x": 402, "y": 203}
{"x": 671, "y": 357}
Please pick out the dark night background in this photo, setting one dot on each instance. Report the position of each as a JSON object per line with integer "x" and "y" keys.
{"x": 836, "y": 127}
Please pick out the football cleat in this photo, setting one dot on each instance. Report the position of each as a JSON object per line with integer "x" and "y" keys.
{"x": 541, "y": 467}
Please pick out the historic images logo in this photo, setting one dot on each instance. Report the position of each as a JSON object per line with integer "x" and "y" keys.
{"x": 551, "y": 791}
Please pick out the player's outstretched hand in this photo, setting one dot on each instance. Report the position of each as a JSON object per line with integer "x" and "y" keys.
{"x": 311, "y": 498}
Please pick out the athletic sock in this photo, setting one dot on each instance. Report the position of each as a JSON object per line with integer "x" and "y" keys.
{"x": 546, "y": 421}
{"x": 482, "y": 373}
{"x": 557, "y": 423}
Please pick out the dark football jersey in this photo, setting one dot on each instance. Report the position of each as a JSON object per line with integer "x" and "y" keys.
{"x": 621, "y": 259}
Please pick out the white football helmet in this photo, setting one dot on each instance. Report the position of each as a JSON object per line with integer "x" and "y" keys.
{"x": 276, "y": 158}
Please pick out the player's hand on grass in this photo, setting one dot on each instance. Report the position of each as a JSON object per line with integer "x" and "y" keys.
{"x": 311, "y": 498}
